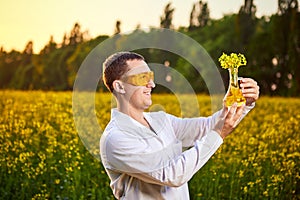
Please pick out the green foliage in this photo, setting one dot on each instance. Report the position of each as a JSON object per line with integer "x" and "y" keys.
{"x": 260, "y": 64}
{"x": 271, "y": 46}
{"x": 8, "y": 67}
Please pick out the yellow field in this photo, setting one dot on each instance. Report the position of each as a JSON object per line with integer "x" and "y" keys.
{"x": 42, "y": 156}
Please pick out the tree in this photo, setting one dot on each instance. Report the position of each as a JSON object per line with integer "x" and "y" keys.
{"x": 65, "y": 41}
{"x": 49, "y": 47}
{"x": 27, "y": 54}
{"x": 193, "y": 18}
{"x": 9, "y": 63}
{"x": 200, "y": 15}
{"x": 245, "y": 24}
{"x": 285, "y": 6}
{"x": 248, "y": 8}
{"x": 76, "y": 35}
{"x": 23, "y": 73}
{"x": 259, "y": 55}
{"x": 28, "y": 48}
{"x": 118, "y": 27}
{"x": 166, "y": 19}
{"x": 1, "y": 50}
{"x": 203, "y": 17}
{"x": 285, "y": 31}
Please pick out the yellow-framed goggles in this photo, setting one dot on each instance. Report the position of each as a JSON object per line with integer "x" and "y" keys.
{"x": 141, "y": 79}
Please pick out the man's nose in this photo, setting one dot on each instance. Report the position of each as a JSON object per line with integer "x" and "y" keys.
{"x": 151, "y": 84}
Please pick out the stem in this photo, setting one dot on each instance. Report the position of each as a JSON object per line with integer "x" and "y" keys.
{"x": 233, "y": 72}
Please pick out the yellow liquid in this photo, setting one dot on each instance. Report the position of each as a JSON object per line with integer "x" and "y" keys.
{"x": 235, "y": 95}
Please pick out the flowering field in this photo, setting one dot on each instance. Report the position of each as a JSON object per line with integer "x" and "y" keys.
{"x": 42, "y": 156}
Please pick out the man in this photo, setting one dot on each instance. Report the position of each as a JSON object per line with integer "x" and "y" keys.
{"x": 142, "y": 152}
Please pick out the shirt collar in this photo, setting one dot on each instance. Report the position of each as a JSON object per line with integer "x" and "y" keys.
{"x": 129, "y": 125}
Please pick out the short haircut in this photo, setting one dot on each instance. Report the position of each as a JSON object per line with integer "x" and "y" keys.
{"x": 116, "y": 65}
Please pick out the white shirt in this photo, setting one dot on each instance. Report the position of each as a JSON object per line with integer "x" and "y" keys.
{"x": 143, "y": 164}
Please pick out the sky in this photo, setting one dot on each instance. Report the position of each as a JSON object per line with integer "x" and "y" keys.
{"x": 37, "y": 20}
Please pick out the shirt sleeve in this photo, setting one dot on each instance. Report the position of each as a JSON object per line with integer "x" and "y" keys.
{"x": 188, "y": 130}
{"x": 182, "y": 168}
{"x": 162, "y": 167}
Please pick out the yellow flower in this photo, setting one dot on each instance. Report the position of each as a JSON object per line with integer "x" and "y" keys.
{"x": 232, "y": 61}
{"x": 245, "y": 189}
{"x": 57, "y": 181}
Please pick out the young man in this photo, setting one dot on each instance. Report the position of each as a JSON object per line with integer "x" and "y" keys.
{"x": 142, "y": 152}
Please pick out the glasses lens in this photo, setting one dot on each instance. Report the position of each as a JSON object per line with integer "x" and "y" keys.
{"x": 141, "y": 79}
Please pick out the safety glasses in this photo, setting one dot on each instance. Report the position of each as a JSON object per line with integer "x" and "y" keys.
{"x": 141, "y": 79}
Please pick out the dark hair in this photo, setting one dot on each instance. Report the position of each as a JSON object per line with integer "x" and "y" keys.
{"x": 116, "y": 65}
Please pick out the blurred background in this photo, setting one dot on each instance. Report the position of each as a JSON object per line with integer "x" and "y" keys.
{"x": 267, "y": 32}
{"x": 44, "y": 43}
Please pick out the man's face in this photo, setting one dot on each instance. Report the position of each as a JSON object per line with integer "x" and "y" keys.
{"x": 138, "y": 83}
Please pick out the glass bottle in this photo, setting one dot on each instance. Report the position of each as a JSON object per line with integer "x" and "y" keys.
{"x": 234, "y": 93}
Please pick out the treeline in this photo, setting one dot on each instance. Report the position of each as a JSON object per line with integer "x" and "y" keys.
{"x": 270, "y": 44}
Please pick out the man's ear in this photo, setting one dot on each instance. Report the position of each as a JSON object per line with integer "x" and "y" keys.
{"x": 118, "y": 86}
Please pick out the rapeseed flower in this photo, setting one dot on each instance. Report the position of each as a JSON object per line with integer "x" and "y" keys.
{"x": 232, "y": 61}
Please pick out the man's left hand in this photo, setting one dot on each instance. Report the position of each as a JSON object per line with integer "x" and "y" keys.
{"x": 250, "y": 90}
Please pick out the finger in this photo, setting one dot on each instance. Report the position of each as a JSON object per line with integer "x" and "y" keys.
{"x": 231, "y": 111}
{"x": 248, "y": 86}
{"x": 248, "y": 83}
{"x": 249, "y": 91}
{"x": 238, "y": 115}
{"x": 248, "y": 80}
{"x": 224, "y": 110}
{"x": 250, "y": 95}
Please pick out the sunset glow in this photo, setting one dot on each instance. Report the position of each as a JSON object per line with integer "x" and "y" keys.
{"x": 22, "y": 21}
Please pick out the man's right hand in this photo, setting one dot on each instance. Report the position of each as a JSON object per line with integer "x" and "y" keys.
{"x": 228, "y": 120}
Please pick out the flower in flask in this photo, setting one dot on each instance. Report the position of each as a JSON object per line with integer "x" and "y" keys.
{"x": 232, "y": 62}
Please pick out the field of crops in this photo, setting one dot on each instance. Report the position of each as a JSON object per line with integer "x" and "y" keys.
{"x": 42, "y": 156}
